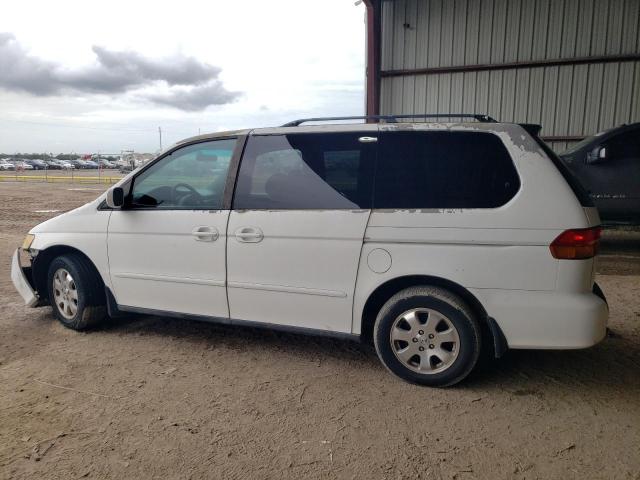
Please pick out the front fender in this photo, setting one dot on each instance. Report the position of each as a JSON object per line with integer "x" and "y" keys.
{"x": 83, "y": 230}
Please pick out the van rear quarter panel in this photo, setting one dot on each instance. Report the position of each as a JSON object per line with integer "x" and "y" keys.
{"x": 484, "y": 250}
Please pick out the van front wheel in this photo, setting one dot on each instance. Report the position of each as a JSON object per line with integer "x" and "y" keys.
{"x": 427, "y": 335}
{"x": 74, "y": 292}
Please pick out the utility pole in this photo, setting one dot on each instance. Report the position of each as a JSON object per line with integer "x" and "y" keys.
{"x": 160, "y": 134}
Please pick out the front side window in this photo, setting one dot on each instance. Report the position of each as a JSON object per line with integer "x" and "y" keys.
{"x": 192, "y": 177}
{"x": 444, "y": 170}
{"x": 305, "y": 171}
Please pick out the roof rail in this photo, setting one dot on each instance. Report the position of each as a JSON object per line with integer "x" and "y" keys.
{"x": 394, "y": 118}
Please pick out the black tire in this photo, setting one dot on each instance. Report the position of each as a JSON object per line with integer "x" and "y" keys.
{"x": 458, "y": 315}
{"x": 90, "y": 305}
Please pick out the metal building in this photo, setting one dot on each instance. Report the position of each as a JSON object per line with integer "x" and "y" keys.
{"x": 571, "y": 65}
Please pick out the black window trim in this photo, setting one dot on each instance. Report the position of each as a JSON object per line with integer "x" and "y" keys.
{"x": 229, "y": 182}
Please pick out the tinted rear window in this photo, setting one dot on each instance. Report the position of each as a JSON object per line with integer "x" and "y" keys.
{"x": 443, "y": 170}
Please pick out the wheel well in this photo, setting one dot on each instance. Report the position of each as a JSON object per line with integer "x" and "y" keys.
{"x": 385, "y": 291}
{"x": 40, "y": 267}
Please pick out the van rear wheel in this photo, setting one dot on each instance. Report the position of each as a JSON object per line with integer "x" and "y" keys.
{"x": 427, "y": 335}
{"x": 74, "y": 292}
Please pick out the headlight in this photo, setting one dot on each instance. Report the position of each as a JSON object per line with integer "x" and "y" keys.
{"x": 28, "y": 240}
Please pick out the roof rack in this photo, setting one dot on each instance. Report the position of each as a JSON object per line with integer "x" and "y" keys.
{"x": 394, "y": 118}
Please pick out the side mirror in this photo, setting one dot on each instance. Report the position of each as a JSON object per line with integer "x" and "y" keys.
{"x": 115, "y": 197}
{"x": 597, "y": 155}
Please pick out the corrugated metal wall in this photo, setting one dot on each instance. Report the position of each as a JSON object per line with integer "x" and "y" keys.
{"x": 568, "y": 100}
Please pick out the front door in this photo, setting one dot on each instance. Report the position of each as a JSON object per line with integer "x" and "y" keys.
{"x": 167, "y": 245}
{"x": 300, "y": 211}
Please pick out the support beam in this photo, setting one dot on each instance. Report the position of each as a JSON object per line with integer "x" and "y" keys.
{"x": 374, "y": 30}
{"x": 512, "y": 65}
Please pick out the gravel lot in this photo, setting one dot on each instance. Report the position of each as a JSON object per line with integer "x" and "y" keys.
{"x": 159, "y": 398}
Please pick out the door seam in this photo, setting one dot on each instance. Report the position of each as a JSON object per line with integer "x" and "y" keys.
{"x": 226, "y": 264}
{"x": 364, "y": 232}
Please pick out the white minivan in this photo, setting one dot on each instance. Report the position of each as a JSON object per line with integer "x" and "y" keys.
{"x": 435, "y": 241}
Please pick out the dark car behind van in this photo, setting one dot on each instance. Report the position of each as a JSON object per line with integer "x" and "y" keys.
{"x": 608, "y": 166}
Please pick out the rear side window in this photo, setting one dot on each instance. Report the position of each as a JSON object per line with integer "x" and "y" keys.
{"x": 443, "y": 170}
{"x": 305, "y": 171}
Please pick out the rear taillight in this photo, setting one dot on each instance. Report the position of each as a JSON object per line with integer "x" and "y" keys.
{"x": 576, "y": 244}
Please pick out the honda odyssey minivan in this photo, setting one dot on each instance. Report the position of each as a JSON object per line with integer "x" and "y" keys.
{"x": 434, "y": 241}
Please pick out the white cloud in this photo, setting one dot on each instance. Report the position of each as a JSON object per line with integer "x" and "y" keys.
{"x": 114, "y": 72}
{"x": 290, "y": 58}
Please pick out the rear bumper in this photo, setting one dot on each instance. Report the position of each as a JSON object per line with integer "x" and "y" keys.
{"x": 547, "y": 320}
{"x": 21, "y": 282}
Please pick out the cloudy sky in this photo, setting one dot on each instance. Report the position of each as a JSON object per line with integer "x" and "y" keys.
{"x": 103, "y": 76}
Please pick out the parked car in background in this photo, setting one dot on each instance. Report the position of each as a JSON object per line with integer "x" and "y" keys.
{"x": 434, "y": 242}
{"x": 91, "y": 164}
{"x": 53, "y": 165}
{"x": 22, "y": 165}
{"x": 126, "y": 166}
{"x": 5, "y": 165}
{"x": 608, "y": 167}
{"x": 37, "y": 164}
{"x": 104, "y": 163}
{"x": 66, "y": 165}
{"x": 79, "y": 164}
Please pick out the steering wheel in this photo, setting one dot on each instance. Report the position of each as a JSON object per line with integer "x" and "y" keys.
{"x": 192, "y": 193}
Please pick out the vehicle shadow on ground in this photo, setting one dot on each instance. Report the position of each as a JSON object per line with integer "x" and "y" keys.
{"x": 619, "y": 252}
{"x": 614, "y": 364}
{"x": 236, "y": 337}
{"x": 623, "y": 240}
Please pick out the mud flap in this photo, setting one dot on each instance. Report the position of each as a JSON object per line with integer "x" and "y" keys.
{"x": 599, "y": 293}
{"x": 500, "y": 345}
{"x": 112, "y": 306}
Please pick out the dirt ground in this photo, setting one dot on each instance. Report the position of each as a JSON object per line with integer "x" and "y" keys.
{"x": 159, "y": 398}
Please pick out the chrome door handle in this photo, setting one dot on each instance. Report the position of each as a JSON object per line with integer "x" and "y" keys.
{"x": 205, "y": 234}
{"x": 249, "y": 234}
